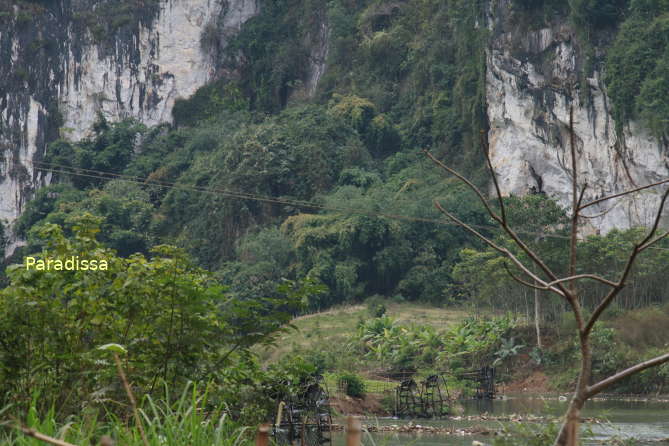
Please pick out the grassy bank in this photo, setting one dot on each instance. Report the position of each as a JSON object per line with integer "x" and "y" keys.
{"x": 334, "y": 327}
{"x": 333, "y": 340}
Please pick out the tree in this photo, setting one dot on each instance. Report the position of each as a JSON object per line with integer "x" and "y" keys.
{"x": 176, "y": 321}
{"x": 536, "y": 215}
{"x": 565, "y": 287}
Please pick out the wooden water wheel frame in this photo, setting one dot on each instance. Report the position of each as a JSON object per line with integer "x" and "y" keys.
{"x": 305, "y": 419}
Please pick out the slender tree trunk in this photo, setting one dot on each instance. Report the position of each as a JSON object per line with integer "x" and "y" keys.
{"x": 570, "y": 430}
{"x": 537, "y": 306}
{"x": 537, "y": 317}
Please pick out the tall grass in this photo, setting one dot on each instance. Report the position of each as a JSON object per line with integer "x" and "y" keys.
{"x": 186, "y": 421}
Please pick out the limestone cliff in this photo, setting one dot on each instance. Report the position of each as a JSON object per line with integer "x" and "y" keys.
{"x": 532, "y": 82}
{"x": 68, "y": 62}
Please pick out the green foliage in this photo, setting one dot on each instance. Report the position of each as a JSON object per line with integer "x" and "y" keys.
{"x": 296, "y": 154}
{"x": 598, "y": 13}
{"x": 274, "y": 53}
{"x": 532, "y": 5}
{"x": 639, "y": 327}
{"x": 109, "y": 151}
{"x": 362, "y": 255}
{"x": 468, "y": 344}
{"x": 608, "y": 254}
{"x": 174, "y": 320}
{"x": 623, "y": 339}
{"x": 43, "y": 203}
{"x": 108, "y": 19}
{"x": 352, "y": 385}
{"x": 482, "y": 277}
{"x": 376, "y": 306}
{"x": 124, "y": 207}
{"x": 393, "y": 83}
{"x": 188, "y": 417}
{"x": 254, "y": 393}
{"x": 208, "y": 102}
{"x": 507, "y": 350}
{"x": 636, "y": 67}
{"x": 376, "y": 130}
{"x": 420, "y": 63}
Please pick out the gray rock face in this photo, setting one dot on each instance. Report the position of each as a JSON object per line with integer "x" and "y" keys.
{"x": 532, "y": 82}
{"x": 60, "y": 78}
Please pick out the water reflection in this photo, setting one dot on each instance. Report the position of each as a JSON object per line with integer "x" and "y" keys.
{"x": 646, "y": 421}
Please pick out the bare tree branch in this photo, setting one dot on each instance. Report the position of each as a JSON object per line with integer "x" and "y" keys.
{"x": 523, "y": 282}
{"x": 652, "y": 242}
{"x": 580, "y": 196}
{"x": 467, "y": 182}
{"x": 597, "y": 388}
{"x": 658, "y": 217}
{"x": 42, "y": 437}
{"x": 496, "y": 247}
{"x": 484, "y": 143}
{"x": 531, "y": 254}
{"x": 602, "y": 306}
{"x": 574, "y": 205}
{"x": 584, "y": 276}
{"x": 627, "y": 192}
{"x": 601, "y": 214}
{"x": 638, "y": 248}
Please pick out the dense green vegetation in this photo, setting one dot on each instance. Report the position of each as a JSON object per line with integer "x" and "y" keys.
{"x": 174, "y": 319}
{"x": 636, "y": 66}
{"x": 465, "y": 346}
{"x": 176, "y": 419}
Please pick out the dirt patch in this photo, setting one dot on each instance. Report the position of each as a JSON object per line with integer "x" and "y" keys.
{"x": 332, "y": 311}
{"x": 536, "y": 382}
{"x": 369, "y": 405}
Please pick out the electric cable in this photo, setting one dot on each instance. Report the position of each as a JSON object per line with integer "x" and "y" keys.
{"x": 107, "y": 175}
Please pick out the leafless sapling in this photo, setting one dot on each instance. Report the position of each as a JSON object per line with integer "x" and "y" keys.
{"x": 538, "y": 275}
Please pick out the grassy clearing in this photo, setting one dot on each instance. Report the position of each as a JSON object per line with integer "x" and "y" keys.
{"x": 335, "y": 326}
{"x": 371, "y": 385}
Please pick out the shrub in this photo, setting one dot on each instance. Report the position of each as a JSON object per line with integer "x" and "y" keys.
{"x": 170, "y": 314}
{"x": 352, "y": 385}
{"x": 639, "y": 327}
{"x": 376, "y": 306}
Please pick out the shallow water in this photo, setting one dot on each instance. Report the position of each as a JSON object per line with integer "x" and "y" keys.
{"x": 645, "y": 421}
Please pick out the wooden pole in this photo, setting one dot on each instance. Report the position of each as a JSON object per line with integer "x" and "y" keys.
{"x": 262, "y": 436}
{"x": 353, "y": 431}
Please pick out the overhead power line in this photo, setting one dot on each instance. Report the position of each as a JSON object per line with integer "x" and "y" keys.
{"x": 106, "y": 175}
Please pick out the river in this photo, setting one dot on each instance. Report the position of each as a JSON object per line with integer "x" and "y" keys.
{"x": 646, "y": 421}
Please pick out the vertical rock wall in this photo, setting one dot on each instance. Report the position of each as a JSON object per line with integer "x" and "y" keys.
{"x": 59, "y": 77}
{"x": 532, "y": 82}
